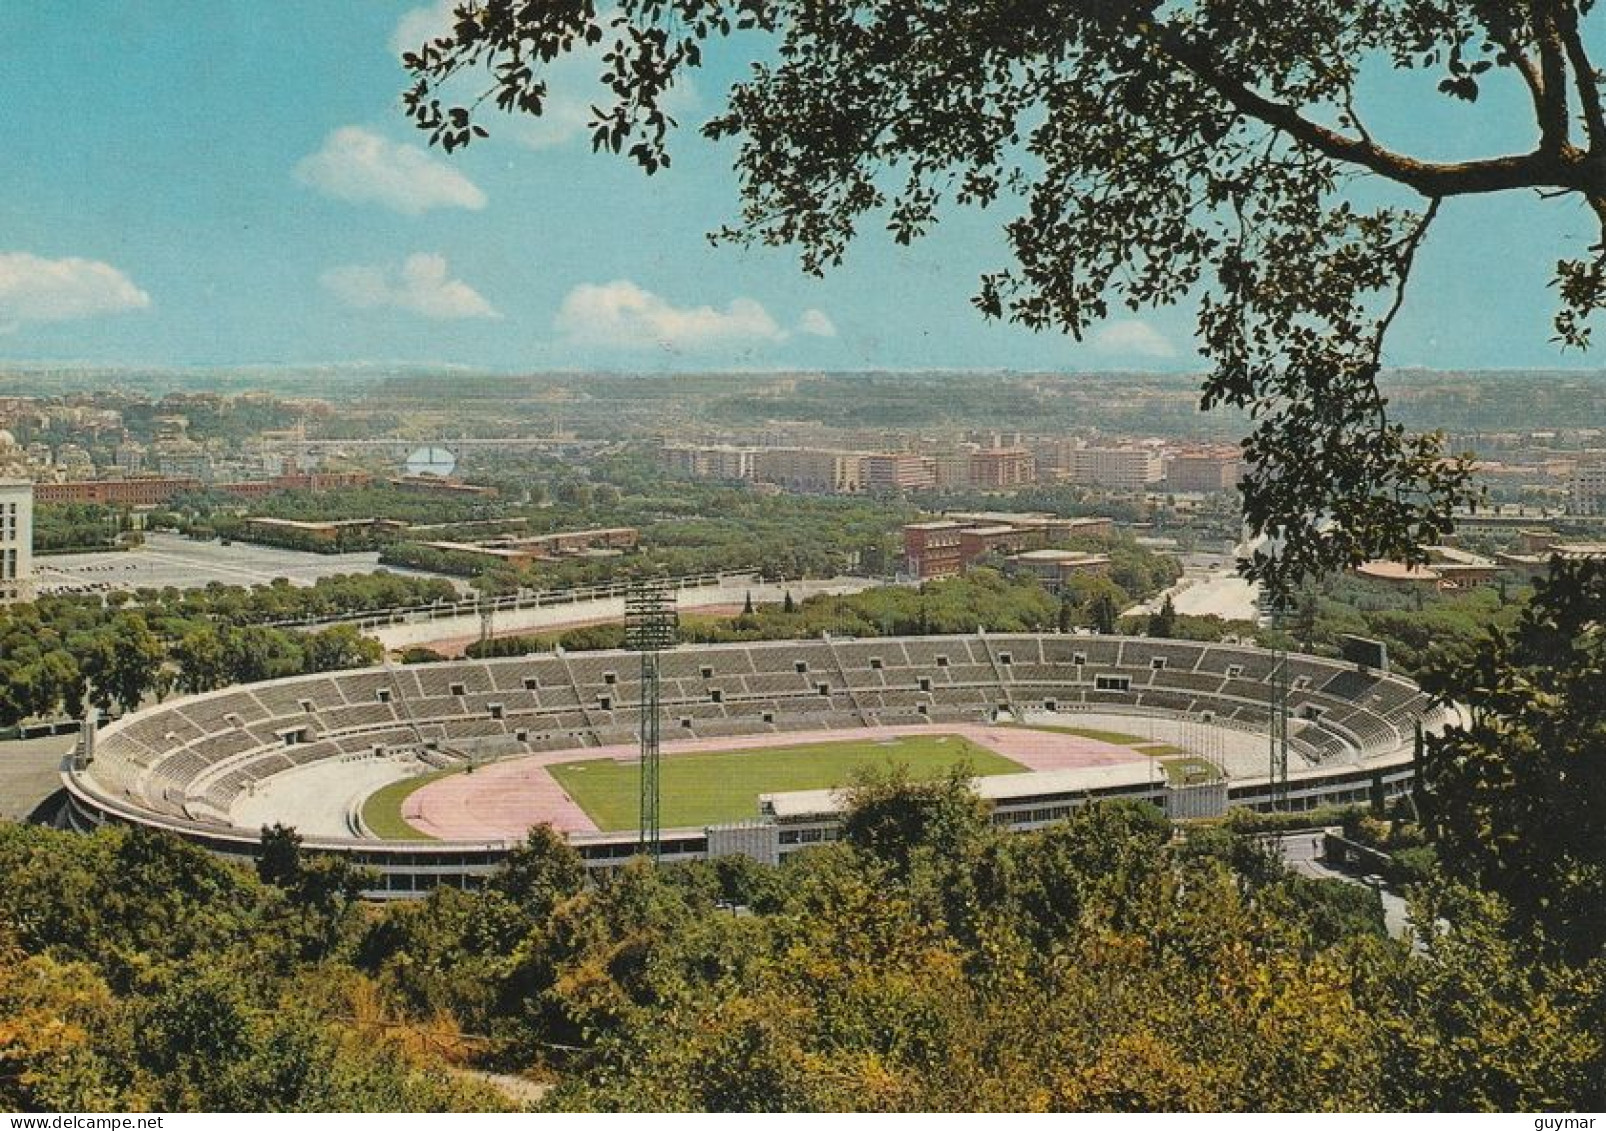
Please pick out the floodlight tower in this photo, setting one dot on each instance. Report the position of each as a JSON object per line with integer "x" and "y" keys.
{"x": 1276, "y": 605}
{"x": 649, "y": 629}
{"x": 1279, "y": 707}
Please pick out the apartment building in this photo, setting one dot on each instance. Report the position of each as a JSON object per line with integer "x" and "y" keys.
{"x": 811, "y": 469}
{"x": 1206, "y": 471}
{"x": 1126, "y": 469}
{"x": 994, "y": 469}
{"x": 892, "y": 473}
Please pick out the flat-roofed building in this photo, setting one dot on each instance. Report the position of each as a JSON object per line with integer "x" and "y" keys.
{"x": 1578, "y": 551}
{"x": 140, "y": 492}
{"x": 1126, "y": 469}
{"x": 993, "y": 469}
{"x": 1051, "y": 527}
{"x": 710, "y": 461}
{"x": 332, "y": 532}
{"x": 893, "y": 473}
{"x": 1055, "y": 567}
{"x": 952, "y": 466}
{"x": 811, "y": 469}
{"x": 979, "y": 541}
{"x": 434, "y": 485}
{"x": 1586, "y": 488}
{"x": 16, "y": 541}
{"x": 933, "y": 549}
{"x": 154, "y": 491}
{"x": 1205, "y": 471}
{"x": 1400, "y": 575}
{"x": 946, "y": 547}
{"x": 1449, "y": 570}
{"x": 545, "y": 547}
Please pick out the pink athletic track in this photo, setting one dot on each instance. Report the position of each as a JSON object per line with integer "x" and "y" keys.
{"x": 505, "y": 800}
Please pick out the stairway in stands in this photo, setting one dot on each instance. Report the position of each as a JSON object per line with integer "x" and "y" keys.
{"x": 847, "y": 683}
{"x": 998, "y": 674}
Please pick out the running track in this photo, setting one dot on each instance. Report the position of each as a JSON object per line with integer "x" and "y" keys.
{"x": 504, "y": 800}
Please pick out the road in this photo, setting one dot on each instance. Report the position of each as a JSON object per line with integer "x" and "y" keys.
{"x": 458, "y": 630}
{"x": 1209, "y": 586}
{"x": 29, "y": 773}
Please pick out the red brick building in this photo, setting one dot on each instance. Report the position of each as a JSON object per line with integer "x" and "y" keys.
{"x": 933, "y": 549}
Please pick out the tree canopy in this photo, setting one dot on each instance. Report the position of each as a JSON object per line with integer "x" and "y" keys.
{"x": 1516, "y": 797}
{"x": 1208, "y": 151}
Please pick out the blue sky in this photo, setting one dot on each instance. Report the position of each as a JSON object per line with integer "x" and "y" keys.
{"x": 226, "y": 183}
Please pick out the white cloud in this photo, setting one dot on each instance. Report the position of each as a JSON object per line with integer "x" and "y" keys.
{"x": 422, "y": 286}
{"x": 34, "y": 289}
{"x": 420, "y": 25}
{"x": 364, "y": 168}
{"x": 622, "y": 315}
{"x": 1131, "y": 336}
{"x": 817, "y": 323}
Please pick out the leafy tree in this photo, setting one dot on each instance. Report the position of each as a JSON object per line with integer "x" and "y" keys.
{"x": 1516, "y": 799}
{"x": 1163, "y": 622}
{"x": 891, "y": 817}
{"x": 1104, "y": 613}
{"x": 279, "y": 862}
{"x": 122, "y": 662}
{"x": 202, "y": 661}
{"x": 1153, "y": 149}
{"x": 540, "y": 873}
{"x": 341, "y": 646}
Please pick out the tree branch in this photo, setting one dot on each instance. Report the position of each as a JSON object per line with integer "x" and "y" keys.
{"x": 1563, "y": 168}
{"x": 1553, "y": 114}
{"x": 1529, "y": 72}
{"x": 1405, "y": 259}
{"x": 1584, "y": 79}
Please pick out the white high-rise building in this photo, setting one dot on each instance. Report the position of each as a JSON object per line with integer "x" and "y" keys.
{"x": 1586, "y": 490}
{"x": 1129, "y": 469}
{"x": 16, "y": 540}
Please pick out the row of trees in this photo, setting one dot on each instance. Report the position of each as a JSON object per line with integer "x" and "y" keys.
{"x": 51, "y": 668}
{"x": 63, "y": 528}
{"x": 58, "y": 654}
{"x": 1423, "y": 630}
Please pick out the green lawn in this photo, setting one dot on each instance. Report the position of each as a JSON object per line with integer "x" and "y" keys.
{"x": 1189, "y": 770}
{"x": 702, "y": 789}
{"x": 382, "y": 811}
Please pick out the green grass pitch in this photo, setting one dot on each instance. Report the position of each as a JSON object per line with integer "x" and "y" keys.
{"x": 720, "y": 786}
{"x": 381, "y": 812}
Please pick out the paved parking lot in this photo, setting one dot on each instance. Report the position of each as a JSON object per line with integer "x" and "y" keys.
{"x": 29, "y": 773}
{"x": 170, "y": 559}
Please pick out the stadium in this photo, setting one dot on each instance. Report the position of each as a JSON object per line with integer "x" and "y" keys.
{"x": 429, "y": 774}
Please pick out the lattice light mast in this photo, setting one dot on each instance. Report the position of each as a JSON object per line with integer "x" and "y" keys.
{"x": 649, "y": 629}
{"x": 1276, "y": 607}
{"x": 1279, "y": 708}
